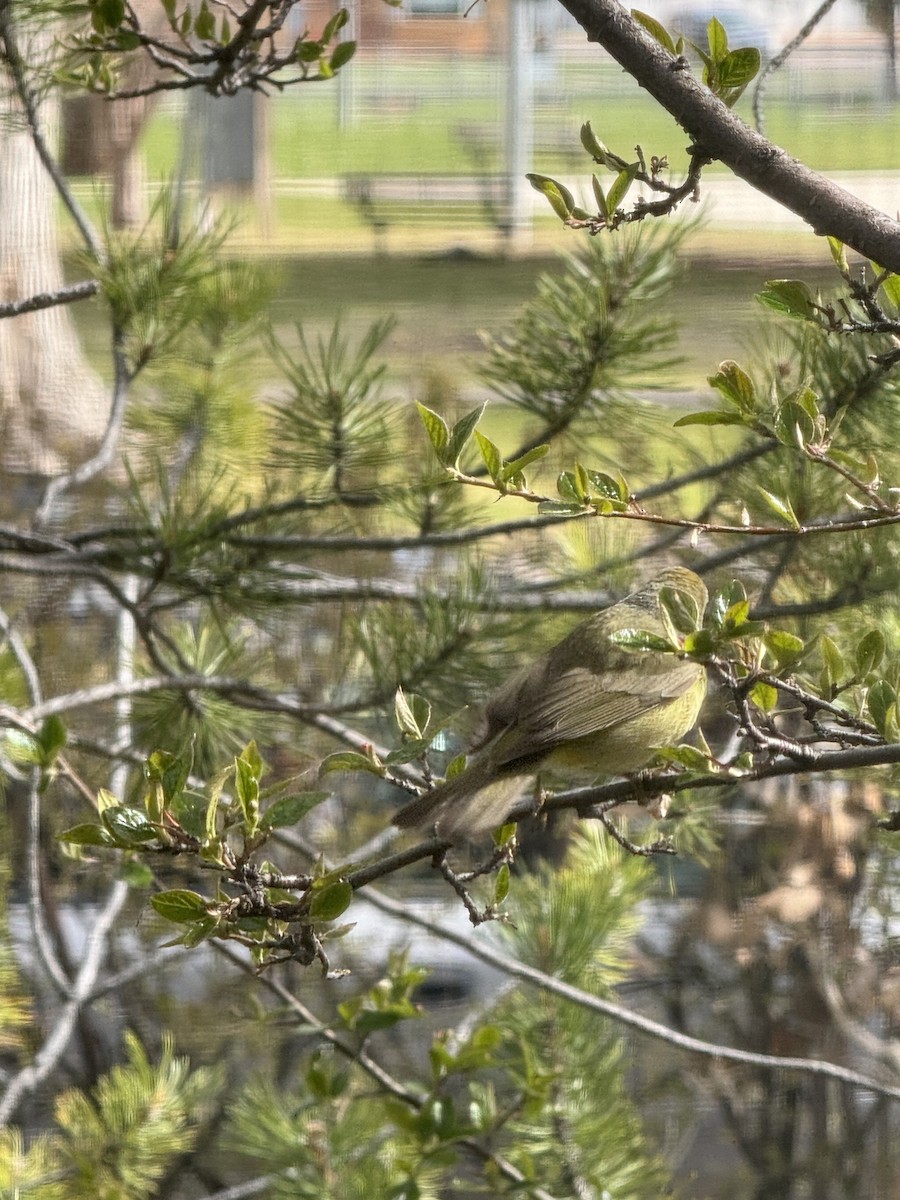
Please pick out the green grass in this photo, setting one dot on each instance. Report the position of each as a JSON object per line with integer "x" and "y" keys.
{"x": 445, "y": 116}
{"x": 399, "y": 132}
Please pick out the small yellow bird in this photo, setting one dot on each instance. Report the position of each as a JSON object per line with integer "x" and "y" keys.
{"x": 587, "y": 705}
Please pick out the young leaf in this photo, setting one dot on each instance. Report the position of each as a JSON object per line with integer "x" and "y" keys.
{"x": 436, "y": 428}
{"x": 350, "y": 760}
{"x": 51, "y": 738}
{"x": 335, "y": 24}
{"x": 600, "y": 197}
{"x": 711, "y": 417}
{"x": 890, "y": 286}
{"x": 764, "y": 696}
{"x": 656, "y": 31}
{"x": 289, "y": 810}
{"x": 412, "y": 713}
{"x": 839, "y": 254}
{"x": 86, "y": 835}
{"x": 733, "y": 383}
{"x": 738, "y": 68}
{"x": 621, "y": 184}
{"x": 882, "y": 705}
{"x": 180, "y": 905}
{"x": 460, "y": 434}
{"x": 786, "y": 648}
{"x": 128, "y": 826}
{"x": 869, "y": 652}
{"x": 517, "y": 465}
{"x": 717, "y": 39}
{"x": 343, "y": 52}
{"x": 641, "y": 639}
{"x": 789, "y": 297}
{"x": 330, "y": 901}
{"x": 561, "y": 199}
{"x": 597, "y": 150}
{"x": 205, "y": 23}
{"x": 492, "y": 457}
{"x": 780, "y": 505}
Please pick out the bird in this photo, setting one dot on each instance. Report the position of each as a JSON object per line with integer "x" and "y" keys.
{"x": 588, "y": 704}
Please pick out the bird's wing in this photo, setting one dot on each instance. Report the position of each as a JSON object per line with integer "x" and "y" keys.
{"x": 580, "y": 702}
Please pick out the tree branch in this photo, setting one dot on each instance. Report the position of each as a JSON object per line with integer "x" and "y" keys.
{"x": 824, "y": 206}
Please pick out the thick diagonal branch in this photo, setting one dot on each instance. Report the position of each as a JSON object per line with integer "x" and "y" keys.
{"x": 828, "y": 209}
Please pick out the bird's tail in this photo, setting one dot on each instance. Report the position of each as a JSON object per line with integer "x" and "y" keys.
{"x": 469, "y": 804}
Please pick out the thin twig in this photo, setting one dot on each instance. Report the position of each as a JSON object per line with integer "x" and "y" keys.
{"x": 46, "y": 1059}
{"x": 781, "y": 58}
{"x": 63, "y": 295}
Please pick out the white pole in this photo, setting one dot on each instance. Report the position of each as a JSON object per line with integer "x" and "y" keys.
{"x": 519, "y": 133}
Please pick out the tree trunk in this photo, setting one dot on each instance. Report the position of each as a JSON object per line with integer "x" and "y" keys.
{"x": 53, "y": 407}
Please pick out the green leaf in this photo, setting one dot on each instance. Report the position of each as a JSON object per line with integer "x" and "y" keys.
{"x": 205, "y": 23}
{"x": 330, "y": 901}
{"x": 870, "y": 651}
{"x": 786, "y": 648}
{"x": 412, "y": 713}
{"x": 501, "y": 884}
{"x": 561, "y": 199}
{"x": 460, "y": 434}
{"x": 890, "y": 286}
{"x": 107, "y": 14}
{"x": 736, "y": 615}
{"x": 700, "y": 643}
{"x": 289, "y": 810}
{"x": 350, "y": 760}
{"x": 335, "y": 24}
{"x": 687, "y": 756}
{"x": 833, "y": 659}
{"x": 600, "y": 197}
{"x": 592, "y": 143}
{"x": 717, "y": 39}
{"x": 136, "y": 874}
{"x": 51, "y": 738}
{"x": 881, "y": 702}
{"x": 726, "y": 597}
{"x": 493, "y": 460}
{"x": 780, "y": 505}
{"x": 641, "y": 639}
{"x": 838, "y": 254}
{"x": 711, "y": 417}
{"x": 567, "y": 486}
{"x": 658, "y": 32}
{"x": 215, "y": 788}
{"x": 789, "y": 297}
{"x": 516, "y": 465}
{"x": 180, "y": 905}
{"x": 733, "y": 383}
{"x": 739, "y": 67}
{"x": 436, "y": 428}
{"x": 307, "y": 50}
{"x": 793, "y": 424}
{"x": 246, "y": 787}
{"x": 681, "y": 608}
{"x": 343, "y": 52}
{"x": 86, "y": 835}
{"x": 170, "y": 771}
{"x": 128, "y": 826}
{"x": 764, "y": 696}
{"x": 621, "y": 184}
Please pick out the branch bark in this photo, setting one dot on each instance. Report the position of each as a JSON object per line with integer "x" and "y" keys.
{"x": 826, "y": 208}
